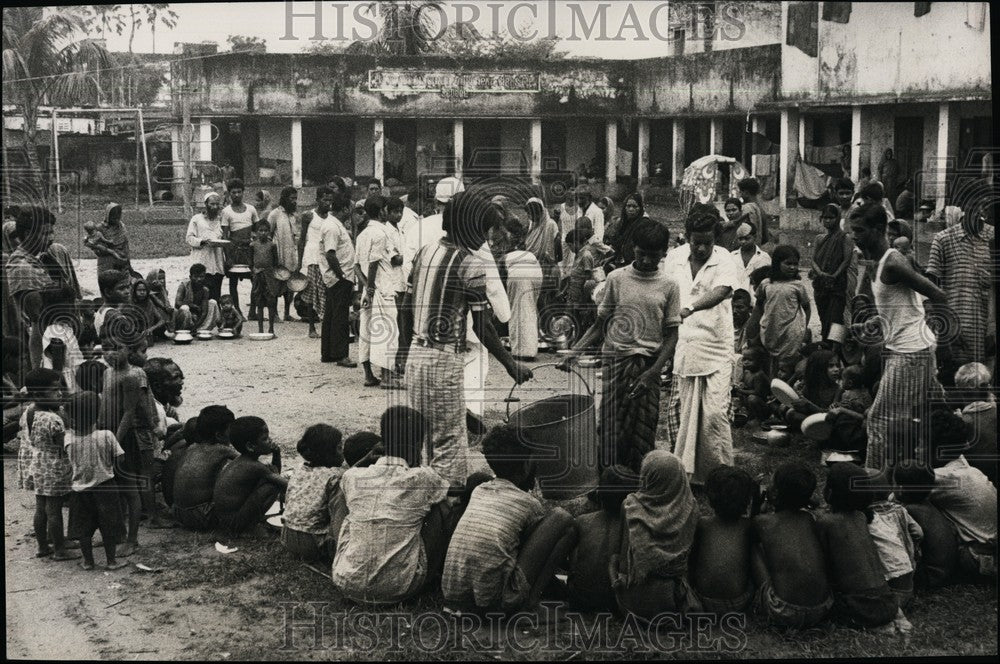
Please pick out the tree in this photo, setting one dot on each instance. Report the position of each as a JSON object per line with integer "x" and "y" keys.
{"x": 244, "y": 44}
{"x": 408, "y": 27}
{"x": 157, "y": 13}
{"x": 463, "y": 40}
{"x": 46, "y": 60}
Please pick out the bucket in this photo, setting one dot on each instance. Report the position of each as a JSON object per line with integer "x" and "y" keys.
{"x": 561, "y": 432}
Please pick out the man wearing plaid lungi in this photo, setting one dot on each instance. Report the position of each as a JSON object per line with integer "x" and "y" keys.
{"x": 448, "y": 282}
{"x": 909, "y": 382}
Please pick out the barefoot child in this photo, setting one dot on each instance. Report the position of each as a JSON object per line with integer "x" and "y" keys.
{"x": 789, "y": 566}
{"x": 897, "y": 538}
{"x": 50, "y": 467}
{"x": 194, "y": 479}
{"x": 311, "y": 495}
{"x": 95, "y": 503}
{"x": 861, "y": 595}
{"x": 720, "y": 559}
{"x": 638, "y": 352}
{"x": 752, "y": 392}
{"x": 230, "y": 317}
{"x": 246, "y": 488}
{"x": 782, "y": 307}
{"x": 505, "y": 548}
{"x": 393, "y": 539}
{"x": 265, "y": 287}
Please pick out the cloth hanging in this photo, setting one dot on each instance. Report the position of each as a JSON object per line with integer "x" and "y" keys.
{"x": 921, "y": 8}
{"x": 624, "y": 166}
{"x": 810, "y": 182}
{"x": 803, "y": 27}
{"x": 838, "y": 12}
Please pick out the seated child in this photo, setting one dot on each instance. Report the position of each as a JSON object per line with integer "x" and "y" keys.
{"x": 818, "y": 388}
{"x": 505, "y": 548}
{"x": 194, "y": 479}
{"x": 719, "y": 568}
{"x": 788, "y": 562}
{"x": 649, "y": 575}
{"x": 230, "y": 317}
{"x": 362, "y": 449}
{"x": 853, "y": 393}
{"x": 963, "y": 494}
{"x": 246, "y": 488}
{"x": 194, "y": 309}
{"x": 752, "y": 392}
{"x": 979, "y": 410}
{"x": 46, "y": 461}
{"x": 311, "y": 493}
{"x": 938, "y": 559}
{"x": 600, "y": 535}
{"x": 174, "y": 447}
{"x": 116, "y": 289}
{"x": 897, "y": 538}
{"x": 861, "y": 595}
{"x": 94, "y": 504}
{"x": 393, "y": 538}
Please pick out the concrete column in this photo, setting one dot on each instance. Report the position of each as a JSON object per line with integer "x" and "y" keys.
{"x": 855, "y": 143}
{"x": 378, "y": 139}
{"x": 789, "y": 153}
{"x": 757, "y": 127}
{"x": 297, "y": 152}
{"x": 805, "y": 132}
{"x": 536, "y": 151}
{"x": 177, "y": 157}
{"x": 642, "y": 167}
{"x": 715, "y": 136}
{"x": 947, "y": 151}
{"x": 612, "y": 151}
{"x": 204, "y": 150}
{"x": 677, "y": 172}
{"x": 459, "y": 144}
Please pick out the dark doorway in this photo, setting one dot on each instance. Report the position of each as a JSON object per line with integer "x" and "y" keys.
{"x": 732, "y": 138}
{"x": 661, "y": 150}
{"x": 228, "y": 147}
{"x": 909, "y": 151}
{"x": 327, "y": 150}
{"x": 482, "y": 146}
{"x": 696, "y": 135}
{"x": 975, "y": 136}
{"x": 400, "y": 149}
{"x": 553, "y": 146}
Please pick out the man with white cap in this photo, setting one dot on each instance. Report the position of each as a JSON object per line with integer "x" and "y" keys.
{"x": 203, "y": 236}
{"x": 748, "y": 256}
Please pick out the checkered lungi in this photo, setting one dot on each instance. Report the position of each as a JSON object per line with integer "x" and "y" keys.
{"x": 435, "y": 387}
{"x": 909, "y": 383}
{"x": 628, "y": 426}
{"x": 315, "y": 292}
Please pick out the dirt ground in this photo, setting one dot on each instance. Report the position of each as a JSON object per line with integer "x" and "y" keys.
{"x": 201, "y": 604}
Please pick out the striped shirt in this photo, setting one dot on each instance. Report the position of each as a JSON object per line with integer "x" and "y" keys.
{"x": 962, "y": 263}
{"x": 483, "y": 550}
{"x": 448, "y": 282}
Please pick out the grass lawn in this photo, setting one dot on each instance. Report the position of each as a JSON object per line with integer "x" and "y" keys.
{"x": 146, "y": 240}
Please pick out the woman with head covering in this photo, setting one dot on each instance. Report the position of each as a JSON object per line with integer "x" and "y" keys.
{"x": 650, "y": 574}
{"x": 544, "y": 242}
{"x": 524, "y": 284}
{"x": 286, "y": 231}
{"x": 622, "y": 229}
{"x": 156, "y": 280}
{"x": 607, "y": 207}
{"x": 12, "y": 325}
{"x": 145, "y": 306}
{"x": 204, "y": 235}
{"x": 110, "y": 241}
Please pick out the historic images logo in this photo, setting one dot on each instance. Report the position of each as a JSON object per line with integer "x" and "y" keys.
{"x": 521, "y": 21}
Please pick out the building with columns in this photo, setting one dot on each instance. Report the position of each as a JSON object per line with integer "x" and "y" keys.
{"x": 772, "y": 84}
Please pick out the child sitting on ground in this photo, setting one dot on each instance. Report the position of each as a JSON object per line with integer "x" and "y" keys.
{"x": 94, "y": 504}
{"x": 193, "y": 481}
{"x": 853, "y": 393}
{"x": 963, "y": 494}
{"x": 362, "y": 449}
{"x": 230, "y": 317}
{"x": 649, "y": 574}
{"x": 505, "y": 548}
{"x": 861, "y": 595}
{"x": 938, "y": 558}
{"x": 394, "y": 537}
{"x": 246, "y": 488}
{"x": 789, "y": 566}
{"x": 818, "y": 389}
{"x": 194, "y": 308}
{"x": 600, "y": 536}
{"x": 311, "y": 493}
{"x": 979, "y": 410}
{"x": 752, "y": 392}
{"x": 719, "y": 568}
{"x": 48, "y": 463}
{"x": 116, "y": 289}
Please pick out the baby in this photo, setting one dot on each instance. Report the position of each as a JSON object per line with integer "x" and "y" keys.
{"x": 95, "y": 238}
{"x": 853, "y": 395}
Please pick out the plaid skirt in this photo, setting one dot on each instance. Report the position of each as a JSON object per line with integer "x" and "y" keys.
{"x": 315, "y": 293}
{"x": 908, "y": 386}
{"x": 628, "y": 426}
{"x": 435, "y": 387}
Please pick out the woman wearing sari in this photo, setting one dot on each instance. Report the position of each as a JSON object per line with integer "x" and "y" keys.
{"x": 544, "y": 242}
{"x": 621, "y": 229}
{"x": 13, "y": 327}
{"x": 524, "y": 284}
{"x": 156, "y": 280}
{"x": 110, "y": 242}
{"x": 153, "y": 320}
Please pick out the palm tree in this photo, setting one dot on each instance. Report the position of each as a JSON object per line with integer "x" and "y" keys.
{"x": 408, "y": 28}
{"x": 45, "y": 61}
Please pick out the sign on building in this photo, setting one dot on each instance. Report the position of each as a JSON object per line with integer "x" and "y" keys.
{"x": 411, "y": 81}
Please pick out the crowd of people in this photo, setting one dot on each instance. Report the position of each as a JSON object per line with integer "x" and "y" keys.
{"x": 705, "y": 322}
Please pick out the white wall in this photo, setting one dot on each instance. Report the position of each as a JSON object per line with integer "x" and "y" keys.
{"x": 738, "y": 25}
{"x": 884, "y": 49}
